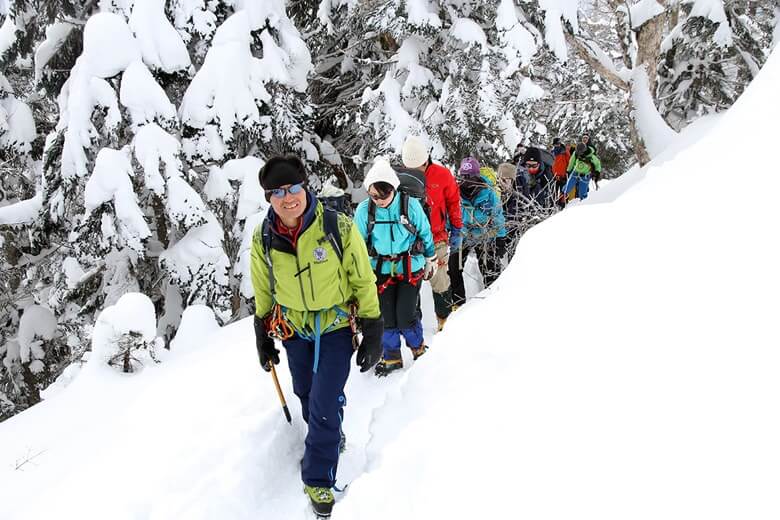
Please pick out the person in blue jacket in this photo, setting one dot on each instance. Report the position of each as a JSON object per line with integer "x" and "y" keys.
{"x": 484, "y": 228}
{"x": 400, "y": 244}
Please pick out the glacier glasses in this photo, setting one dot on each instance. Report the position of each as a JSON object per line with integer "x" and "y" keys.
{"x": 279, "y": 193}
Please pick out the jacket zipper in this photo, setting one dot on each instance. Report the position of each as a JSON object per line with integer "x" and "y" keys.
{"x": 300, "y": 282}
{"x": 311, "y": 283}
{"x": 357, "y": 268}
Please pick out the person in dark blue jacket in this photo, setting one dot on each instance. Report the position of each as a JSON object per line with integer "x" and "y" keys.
{"x": 484, "y": 229}
{"x": 400, "y": 244}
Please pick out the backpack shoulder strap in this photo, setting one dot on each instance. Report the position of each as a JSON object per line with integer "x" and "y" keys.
{"x": 370, "y": 227}
{"x": 405, "y": 205}
{"x": 405, "y": 222}
{"x": 331, "y": 227}
{"x": 266, "y": 237}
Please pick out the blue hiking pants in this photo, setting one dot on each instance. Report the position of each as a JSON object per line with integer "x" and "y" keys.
{"x": 322, "y": 400}
{"x": 582, "y": 183}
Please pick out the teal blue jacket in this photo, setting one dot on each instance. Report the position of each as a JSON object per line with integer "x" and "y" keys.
{"x": 391, "y": 238}
{"x": 483, "y": 216}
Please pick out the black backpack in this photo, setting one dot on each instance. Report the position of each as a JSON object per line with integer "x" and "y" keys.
{"x": 547, "y": 158}
{"x": 330, "y": 225}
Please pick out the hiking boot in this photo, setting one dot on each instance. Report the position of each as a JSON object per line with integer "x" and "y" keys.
{"x": 419, "y": 351}
{"x": 441, "y": 321}
{"x": 321, "y": 500}
{"x": 342, "y": 443}
{"x": 386, "y": 366}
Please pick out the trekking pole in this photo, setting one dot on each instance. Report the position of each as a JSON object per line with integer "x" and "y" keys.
{"x": 281, "y": 395}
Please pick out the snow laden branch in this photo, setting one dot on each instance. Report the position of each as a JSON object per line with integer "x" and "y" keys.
{"x": 599, "y": 61}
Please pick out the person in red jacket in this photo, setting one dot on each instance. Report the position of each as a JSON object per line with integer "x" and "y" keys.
{"x": 560, "y": 164}
{"x": 444, "y": 203}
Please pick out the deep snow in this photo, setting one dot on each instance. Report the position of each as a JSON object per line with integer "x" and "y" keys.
{"x": 625, "y": 365}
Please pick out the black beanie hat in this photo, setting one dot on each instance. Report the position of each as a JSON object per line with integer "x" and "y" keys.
{"x": 532, "y": 154}
{"x": 556, "y": 141}
{"x": 279, "y": 171}
{"x": 582, "y": 149}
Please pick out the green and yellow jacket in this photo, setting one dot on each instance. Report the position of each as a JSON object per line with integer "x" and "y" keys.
{"x": 584, "y": 165}
{"x": 309, "y": 278}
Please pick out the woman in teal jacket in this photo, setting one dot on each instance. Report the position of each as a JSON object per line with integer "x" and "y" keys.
{"x": 400, "y": 244}
{"x": 484, "y": 228}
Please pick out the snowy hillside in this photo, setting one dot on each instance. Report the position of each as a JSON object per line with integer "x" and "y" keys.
{"x": 624, "y": 366}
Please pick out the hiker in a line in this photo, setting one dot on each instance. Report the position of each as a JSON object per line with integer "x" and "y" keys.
{"x": 581, "y": 165}
{"x": 312, "y": 277}
{"x": 400, "y": 244}
{"x": 483, "y": 229}
{"x": 540, "y": 186}
{"x": 445, "y": 218}
{"x": 510, "y": 184}
{"x": 595, "y": 173}
{"x": 561, "y": 157}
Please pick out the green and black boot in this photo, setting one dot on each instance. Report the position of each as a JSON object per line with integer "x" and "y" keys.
{"x": 321, "y": 500}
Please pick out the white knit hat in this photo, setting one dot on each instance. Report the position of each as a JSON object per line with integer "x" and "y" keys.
{"x": 381, "y": 171}
{"x": 414, "y": 154}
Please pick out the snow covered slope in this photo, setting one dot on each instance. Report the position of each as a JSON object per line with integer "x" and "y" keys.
{"x": 624, "y": 366}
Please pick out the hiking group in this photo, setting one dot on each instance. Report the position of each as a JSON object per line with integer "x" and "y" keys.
{"x": 320, "y": 276}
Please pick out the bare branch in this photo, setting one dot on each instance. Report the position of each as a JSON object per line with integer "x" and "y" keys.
{"x": 28, "y": 458}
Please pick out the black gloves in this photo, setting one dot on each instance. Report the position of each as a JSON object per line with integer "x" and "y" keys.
{"x": 370, "y": 349}
{"x": 265, "y": 345}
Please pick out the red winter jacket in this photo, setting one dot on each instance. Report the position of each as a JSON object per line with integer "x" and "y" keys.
{"x": 444, "y": 200}
{"x": 561, "y": 164}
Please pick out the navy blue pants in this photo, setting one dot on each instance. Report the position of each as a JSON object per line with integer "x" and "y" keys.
{"x": 322, "y": 400}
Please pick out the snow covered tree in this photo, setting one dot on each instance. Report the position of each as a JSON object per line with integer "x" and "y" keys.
{"x": 30, "y": 361}
{"x": 246, "y": 102}
{"x": 718, "y": 37}
{"x": 113, "y": 163}
{"x": 710, "y": 56}
{"x": 388, "y": 69}
{"x": 125, "y": 335}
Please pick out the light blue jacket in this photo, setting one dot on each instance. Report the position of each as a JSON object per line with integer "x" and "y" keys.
{"x": 483, "y": 216}
{"x": 389, "y": 236}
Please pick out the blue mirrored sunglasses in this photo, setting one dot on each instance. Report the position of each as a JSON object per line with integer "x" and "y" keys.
{"x": 281, "y": 192}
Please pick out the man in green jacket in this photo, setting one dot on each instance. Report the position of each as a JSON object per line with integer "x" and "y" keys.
{"x": 305, "y": 286}
{"x": 583, "y": 163}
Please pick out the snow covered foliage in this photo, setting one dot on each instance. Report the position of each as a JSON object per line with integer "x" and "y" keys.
{"x": 240, "y": 104}
{"x": 125, "y": 334}
{"x": 383, "y": 67}
{"x": 17, "y": 125}
{"x": 30, "y": 361}
{"x": 709, "y": 57}
{"x": 470, "y": 77}
{"x": 150, "y": 156}
{"x": 697, "y": 56}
